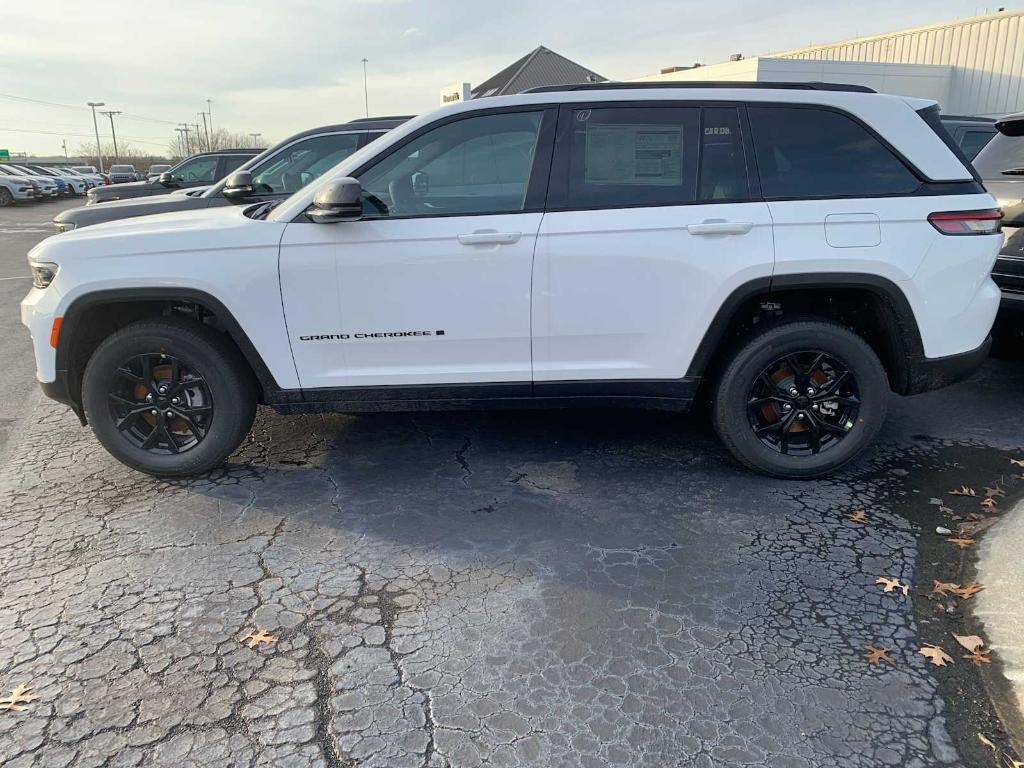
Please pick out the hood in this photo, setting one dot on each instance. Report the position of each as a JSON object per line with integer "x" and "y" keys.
{"x": 89, "y": 215}
{"x": 191, "y": 231}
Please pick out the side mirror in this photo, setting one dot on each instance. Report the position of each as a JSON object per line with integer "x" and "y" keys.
{"x": 167, "y": 179}
{"x": 338, "y": 200}
{"x": 238, "y": 186}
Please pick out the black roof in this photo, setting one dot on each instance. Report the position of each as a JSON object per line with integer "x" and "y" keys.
{"x": 808, "y": 86}
{"x": 360, "y": 124}
{"x": 539, "y": 67}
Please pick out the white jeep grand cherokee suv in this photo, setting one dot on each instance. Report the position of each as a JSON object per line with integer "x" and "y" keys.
{"x": 792, "y": 252}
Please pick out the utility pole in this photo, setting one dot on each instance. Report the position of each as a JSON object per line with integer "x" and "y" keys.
{"x": 64, "y": 146}
{"x": 254, "y": 137}
{"x": 111, "y": 114}
{"x": 181, "y": 142}
{"x": 366, "y": 93}
{"x": 207, "y": 131}
{"x": 209, "y": 111}
{"x": 188, "y": 145}
{"x": 96, "y": 127}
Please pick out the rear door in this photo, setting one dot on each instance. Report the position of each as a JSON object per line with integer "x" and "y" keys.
{"x": 652, "y": 221}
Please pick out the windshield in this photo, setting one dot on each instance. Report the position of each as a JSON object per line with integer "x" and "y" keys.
{"x": 1003, "y": 153}
{"x": 122, "y": 169}
{"x": 83, "y": 169}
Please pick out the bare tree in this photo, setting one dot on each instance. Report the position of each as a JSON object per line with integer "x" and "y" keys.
{"x": 220, "y": 138}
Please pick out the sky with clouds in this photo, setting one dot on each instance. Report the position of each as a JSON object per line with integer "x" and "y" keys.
{"x": 279, "y": 66}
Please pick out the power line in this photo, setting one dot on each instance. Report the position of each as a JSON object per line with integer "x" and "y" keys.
{"x": 149, "y": 140}
{"x": 125, "y": 115}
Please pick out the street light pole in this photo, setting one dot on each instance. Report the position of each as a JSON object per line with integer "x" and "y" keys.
{"x": 366, "y": 93}
{"x": 64, "y": 146}
{"x": 96, "y": 127}
{"x": 209, "y": 111}
{"x": 113, "y": 134}
{"x": 254, "y": 137}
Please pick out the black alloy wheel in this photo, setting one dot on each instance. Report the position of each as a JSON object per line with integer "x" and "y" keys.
{"x": 803, "y": 403}
{"x": 160, "y": 404}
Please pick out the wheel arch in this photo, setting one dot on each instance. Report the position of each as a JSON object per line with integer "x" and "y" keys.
{"x": 871, "y": 305}
{"x": 80, "y": 333}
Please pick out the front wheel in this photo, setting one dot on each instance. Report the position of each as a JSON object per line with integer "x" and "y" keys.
{"x": 801, "y": 399}
{"x": 169, "y": 397}
{"x": 6, "y": 197}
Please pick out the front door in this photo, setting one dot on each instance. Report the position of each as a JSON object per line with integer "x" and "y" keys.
{"x": 432, "y": 286}
{"x": 652, "y": 223}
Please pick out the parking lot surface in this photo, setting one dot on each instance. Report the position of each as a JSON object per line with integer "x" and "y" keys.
{"x": 576, "y": 588}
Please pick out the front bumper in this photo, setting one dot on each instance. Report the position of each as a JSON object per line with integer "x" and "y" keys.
{"x": 59, "y": 390}
{"x": 925, "y": 374}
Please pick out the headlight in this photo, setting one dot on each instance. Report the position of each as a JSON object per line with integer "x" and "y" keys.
{"x": 43, "y": 273}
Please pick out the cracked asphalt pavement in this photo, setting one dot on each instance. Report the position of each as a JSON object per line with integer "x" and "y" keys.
{"x": 577, "y": 588}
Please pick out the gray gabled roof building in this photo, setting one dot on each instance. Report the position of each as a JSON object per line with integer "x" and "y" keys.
{"x": 541, "y": 66}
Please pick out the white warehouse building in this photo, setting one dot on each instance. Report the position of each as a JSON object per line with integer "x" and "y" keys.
{"x": 972, "y": 66}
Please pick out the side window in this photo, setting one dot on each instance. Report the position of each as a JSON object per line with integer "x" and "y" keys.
{"x": 199, "y": 169}
{"x": 629, "y": 156}
{"x": 723, "y": 166}
{"x": 972, "y": 142}
{"x": 297, "y": 165}
{"x": 819, "y": 153}
{"x": 477, "y": 165}
{"x": 230, "y": 163}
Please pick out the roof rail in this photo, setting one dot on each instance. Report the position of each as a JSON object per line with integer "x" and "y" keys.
{"x": 807, "y": 86}
{"x": 385, "y": 117}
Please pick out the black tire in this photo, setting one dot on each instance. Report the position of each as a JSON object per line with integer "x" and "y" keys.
{"x": 216, "y": 396}
{"x": 6, "y": 198}
{"x": 756, "y": 386}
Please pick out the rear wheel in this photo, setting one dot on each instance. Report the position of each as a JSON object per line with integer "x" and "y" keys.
{"x": 6, "y": 198}
{"x": 801, "y": 399}
{"x": 168, "y": 397}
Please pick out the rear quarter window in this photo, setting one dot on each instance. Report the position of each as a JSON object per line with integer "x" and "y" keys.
{"x": 807, "y": 153}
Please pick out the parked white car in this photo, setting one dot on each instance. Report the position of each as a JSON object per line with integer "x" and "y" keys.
{"x": 788, "y": 254}
{"x": 17, "y": 189}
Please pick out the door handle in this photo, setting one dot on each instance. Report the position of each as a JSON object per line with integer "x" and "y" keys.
{"x": 720, "y": 227}
{"x": 490, "y": 238}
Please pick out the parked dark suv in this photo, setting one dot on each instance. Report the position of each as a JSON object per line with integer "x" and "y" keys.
{"x": 194, "y": 171}
{"x": 272, "y": 175}
{"x": 1001, "y": 167}
{"x": 971, "y": 134}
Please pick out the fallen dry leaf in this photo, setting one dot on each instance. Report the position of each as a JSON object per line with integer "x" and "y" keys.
{"x": 969, "y": 642}
{"x": 962, "y": 543}
{"x": 944, "y": 508}
{"x": 963, "y": 490}
{"x": 255, "y": 638}
{"x": 892, "y": 585}
{"x": 969, "y": 591}
{"x": 876, "y": 655}
{"x": 1018, "y": 462}
{"x": 1011, "y": 763}
{"x": 17, "y": 699}
{"x": 979, "y": 657}
{"x": 936, "y": 655}
{"x": 944, "y": 588}
{"x": 860, "y": 516}
{"x": 986, "y": 742}
{"x": 989, "y": 503}
{"x": 992, "y": 492}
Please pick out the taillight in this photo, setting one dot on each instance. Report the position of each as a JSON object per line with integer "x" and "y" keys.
{"x": 988, "y": 222}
